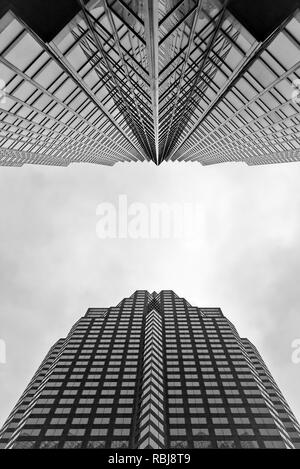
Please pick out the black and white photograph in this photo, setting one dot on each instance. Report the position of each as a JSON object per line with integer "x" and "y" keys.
{"x": 150, "y": 228}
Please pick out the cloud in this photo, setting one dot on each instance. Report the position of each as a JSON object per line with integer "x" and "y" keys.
{"x": 246, "y": 259}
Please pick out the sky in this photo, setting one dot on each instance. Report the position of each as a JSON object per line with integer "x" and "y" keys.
{"x": 245, "y": 258}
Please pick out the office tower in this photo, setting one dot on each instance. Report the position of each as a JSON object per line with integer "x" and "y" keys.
{"x": 152, "y": 372}
{"x": 107, "y": 81}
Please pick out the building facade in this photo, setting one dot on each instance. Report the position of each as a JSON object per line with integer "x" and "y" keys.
{"x": 152, "y": 372}
{"x": 105, "y": 81}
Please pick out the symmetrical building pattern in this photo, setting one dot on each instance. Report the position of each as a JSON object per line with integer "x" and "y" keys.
{"x": 149, "y": 80}
{"x": 152, "y": 372}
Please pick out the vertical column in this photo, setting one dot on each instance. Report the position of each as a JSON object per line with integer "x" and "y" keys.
{"x": 152, "y": 416}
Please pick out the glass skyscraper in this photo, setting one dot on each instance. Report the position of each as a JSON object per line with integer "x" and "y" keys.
{"x": 163, "y": 80}
{"x": 152, "y": 372}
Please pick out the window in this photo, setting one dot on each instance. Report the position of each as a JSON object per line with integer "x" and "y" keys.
{"x": 76, "y": 431}
{"x": 30, "y": 432}
{"x": 121, "y": 431}
{"x": 123, "y": 421}
{"x": 274, "y": 444}
{"x": 202, "y": 444}
{"x": 226, "y": 444}
{"x": 245, "y": 431}
{"x": 101, "y": 421}
{"x": 220, "y": 420}
{"x": 82, "y": 410}
{"x": 35, "y": 421}
{"x": 179, "y": 444}
{"x": 177, "y": 431}
{"x": 58, "y": 421}
{"x": 49, "y": 444}
{"x": 80, "y": 421}
{"x": 198, "y": 420}
{"x": 176, "y": 420}
{"x": 119, "y": 444}
{"x": 176, "y": 410}
{"x": 195, "y": 400}
{"x": 241, "y": 420}
{"x": 23, "y": 444}
{"x": 96, "y": 444}
{"x": 269, "y": 432}
{"x": 103, "y": 410}
{"x": 264, "y": 420}
{"x": 99, "y": 431}
{"x": 124, "y": 410}
{"x": 223, "y": 431}
{"x": 54, "y": 432}
{"x": 248, "y": 444}
{"x": 72, "y": 444}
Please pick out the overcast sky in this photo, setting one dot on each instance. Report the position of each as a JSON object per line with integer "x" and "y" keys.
{"x": 246, "y": 259}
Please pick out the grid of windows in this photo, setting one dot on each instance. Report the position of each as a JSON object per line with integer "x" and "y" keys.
{"x": 183, "y": 378}
{"x": 127, "y": 82}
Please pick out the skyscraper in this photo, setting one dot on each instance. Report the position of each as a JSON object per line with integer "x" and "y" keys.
{"x": 107, "y": 81}
{"x": 152, "y": 372}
